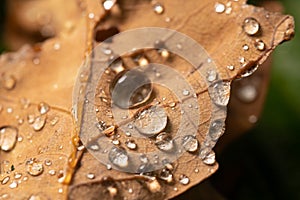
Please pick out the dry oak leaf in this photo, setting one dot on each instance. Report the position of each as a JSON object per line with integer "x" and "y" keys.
{"x": 47, "y": 74}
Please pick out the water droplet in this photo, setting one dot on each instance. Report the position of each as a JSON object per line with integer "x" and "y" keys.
{"x": 91, "y": 15}
{"x": 118, "y": 157}
{"x": 158, "y": 8}
{"x": 211, "y": 75}
{"x": 13, "y": 185}
{"x": 60, "y": 190}
{"x": 228, "y": 10}
{"x": 131, "y": 144}
{"x": 142, "y": 61}
{"x": 164, "y": 142}
{"x": 216, "y": 129}
{"x": 56, "y": 46}
{"x": 90, "y": 176}
{"x": 153, "y": 185}
{"x": 36, "y": 61}
{"x": 34, "y": 167}
{"x": 108, "y": 4}
{"x": 5, "y": 180}
{"x": 30, "y": 119}
{"x": 247, "y": 93}
{"x": 108, "y": 167}
{"x": 220, "y": 93}
{"x": 245, "y": 47}
{"x": 115, "y": 141}
{"x": 9, "y": 110}
{"x": 17, "y": 175}
{"x": 130, "y": 190}
{"x": 184, "y": 180}
{"x": 132, "y": 89}
{"x": 117, "y": 66}
{"x": 35, "y": 197}
{"x": 39, "y": 123}
{"x": 185, "y": 92}
{"x": 172, "y": 104}
{"x": 48, "y": 162}
{"x": 230, "y": 67}
{"x": 54, "y": 120}
{"x": 151, "y": 121}
{"x": 196, "y": 170}
{"x": 190, "y": 143}
{"x": 112, "y": 191}
{"x": 52, "y": 172}
{"x": 8, "y": 137}
{"x": 251, "y": 26}
{"x": 43, "y": 108}
{"x": 259, "y": 45}
{"x": 219, "y": 8}
{"x": 210, "y": 159}
{"x": 164, "y": 53}
{"x": 9, "y": 82}
{"x": 166, "y": 175}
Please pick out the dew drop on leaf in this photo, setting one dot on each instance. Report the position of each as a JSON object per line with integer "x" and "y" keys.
{"x": 190, "y": 143}
{"x": 118, "y": 157}
{"x": 220, "y": 93}
{"x": 251, "y": 26}
{"x": 164, "y": 142}
{"x": 34, "y": 167}
{"x": 8, "y": 137}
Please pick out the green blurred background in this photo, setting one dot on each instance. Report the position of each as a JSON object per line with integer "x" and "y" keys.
{"x": 265, "y": 162}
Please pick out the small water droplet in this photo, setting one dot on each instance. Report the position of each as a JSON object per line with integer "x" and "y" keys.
{"x": 35, "y": 197}
{"x": 30, "y": 119}
{"x": 39, "y": 123}
{"x": 220, "y": 93}
{"x": 230, "y": 67}
{"x": 17, "y": 175}
{"x": 247, "y": 93}
{"x": 172, "y": 104}
{"x": 36, "y": 61}
{"x": 91, "y": 15}
{"x": 185, "y": 92}
{"x": 190, "y": 143}
{"x": 211, "y": 75}
{"x": 56, "y": 46}
{"x": 166, "y": 175}
{"x": 52, "y": 172}
{"x": 34, "y": 167}
{"x": 112, "y": 191}
{"x": 118, "y": 157}
{"x": 60, "y": 190}
{"x": 130, "y": 190}
{"x": 54, "y": 120}
{"x": 179, "y": 46}
{"x": 8, "y": 137}
{"x": 210, "y": 159}
{"x": 115, "y": 141}
{"x": 158, "y": 8}
{"x": 8, "y": 82}
{"x": 259, "y": 45}
{"x": 117, "y": 66}
{"x": 196, "y": 170}
{"x": 43, "y": 108}
{"x": 90, "y": 176}
{"x": 108, "y": 167}
{"x": 108, "y": 4}
{"x": 151, "y": 121}
{"x": 249, "y": 71}
{"x": 245, "y": 47}
{"x": 164, "y": 53}
{"x": 131, "y": 144}
{"x": 216, "y": 129}
{"x": 9, "y": 110}
{"x": 228, "y": 10}
{"x": 131, "y": 89}
{"x": 251, "y": 26}
{"x": 13, "y": 185}
{"x": 164, "y": 142}
{"x": 48, "y": 162}
{"x": 142, "y": 61}
{"x": 219, "y": 8}
{"x": 184, "y": 180}
{"x": 5, "y": 180}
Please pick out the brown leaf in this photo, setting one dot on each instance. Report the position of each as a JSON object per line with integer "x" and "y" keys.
{"x": 47, "y": 74}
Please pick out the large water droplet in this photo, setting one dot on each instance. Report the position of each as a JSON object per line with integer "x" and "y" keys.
{"x": 220, "y": 93}
{"x": 131, "y": 89}
{"x": 251, "y": 26}
{"x": 190, "y": 143}
{"x": 34, "y": 167}
{"x": 118, "y": 157}
{"x": 151, "y": 121}
{"x": 8, "y": 137}
{"x": 39, "y": 123}
{"x": 164, "y": 142}
{"x": 184, "y": 180}
{"x": 216, "y": 129}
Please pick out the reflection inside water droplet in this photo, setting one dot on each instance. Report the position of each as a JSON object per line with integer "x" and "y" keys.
{"x": 164, "y": 142}
{"x": 151, "y": 121}
{"x": 184, "y": 180}
{"x": 220, "y": 93}
{"x": 210, "y": 159}
{"x": 131, "y": 89}
{"x": 158, "y": 8}
{"x": 190, "y": 143}
{"x": 34, "y": 167}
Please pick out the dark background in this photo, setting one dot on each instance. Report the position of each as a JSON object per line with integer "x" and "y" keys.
{"x": 265, "y": 162}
